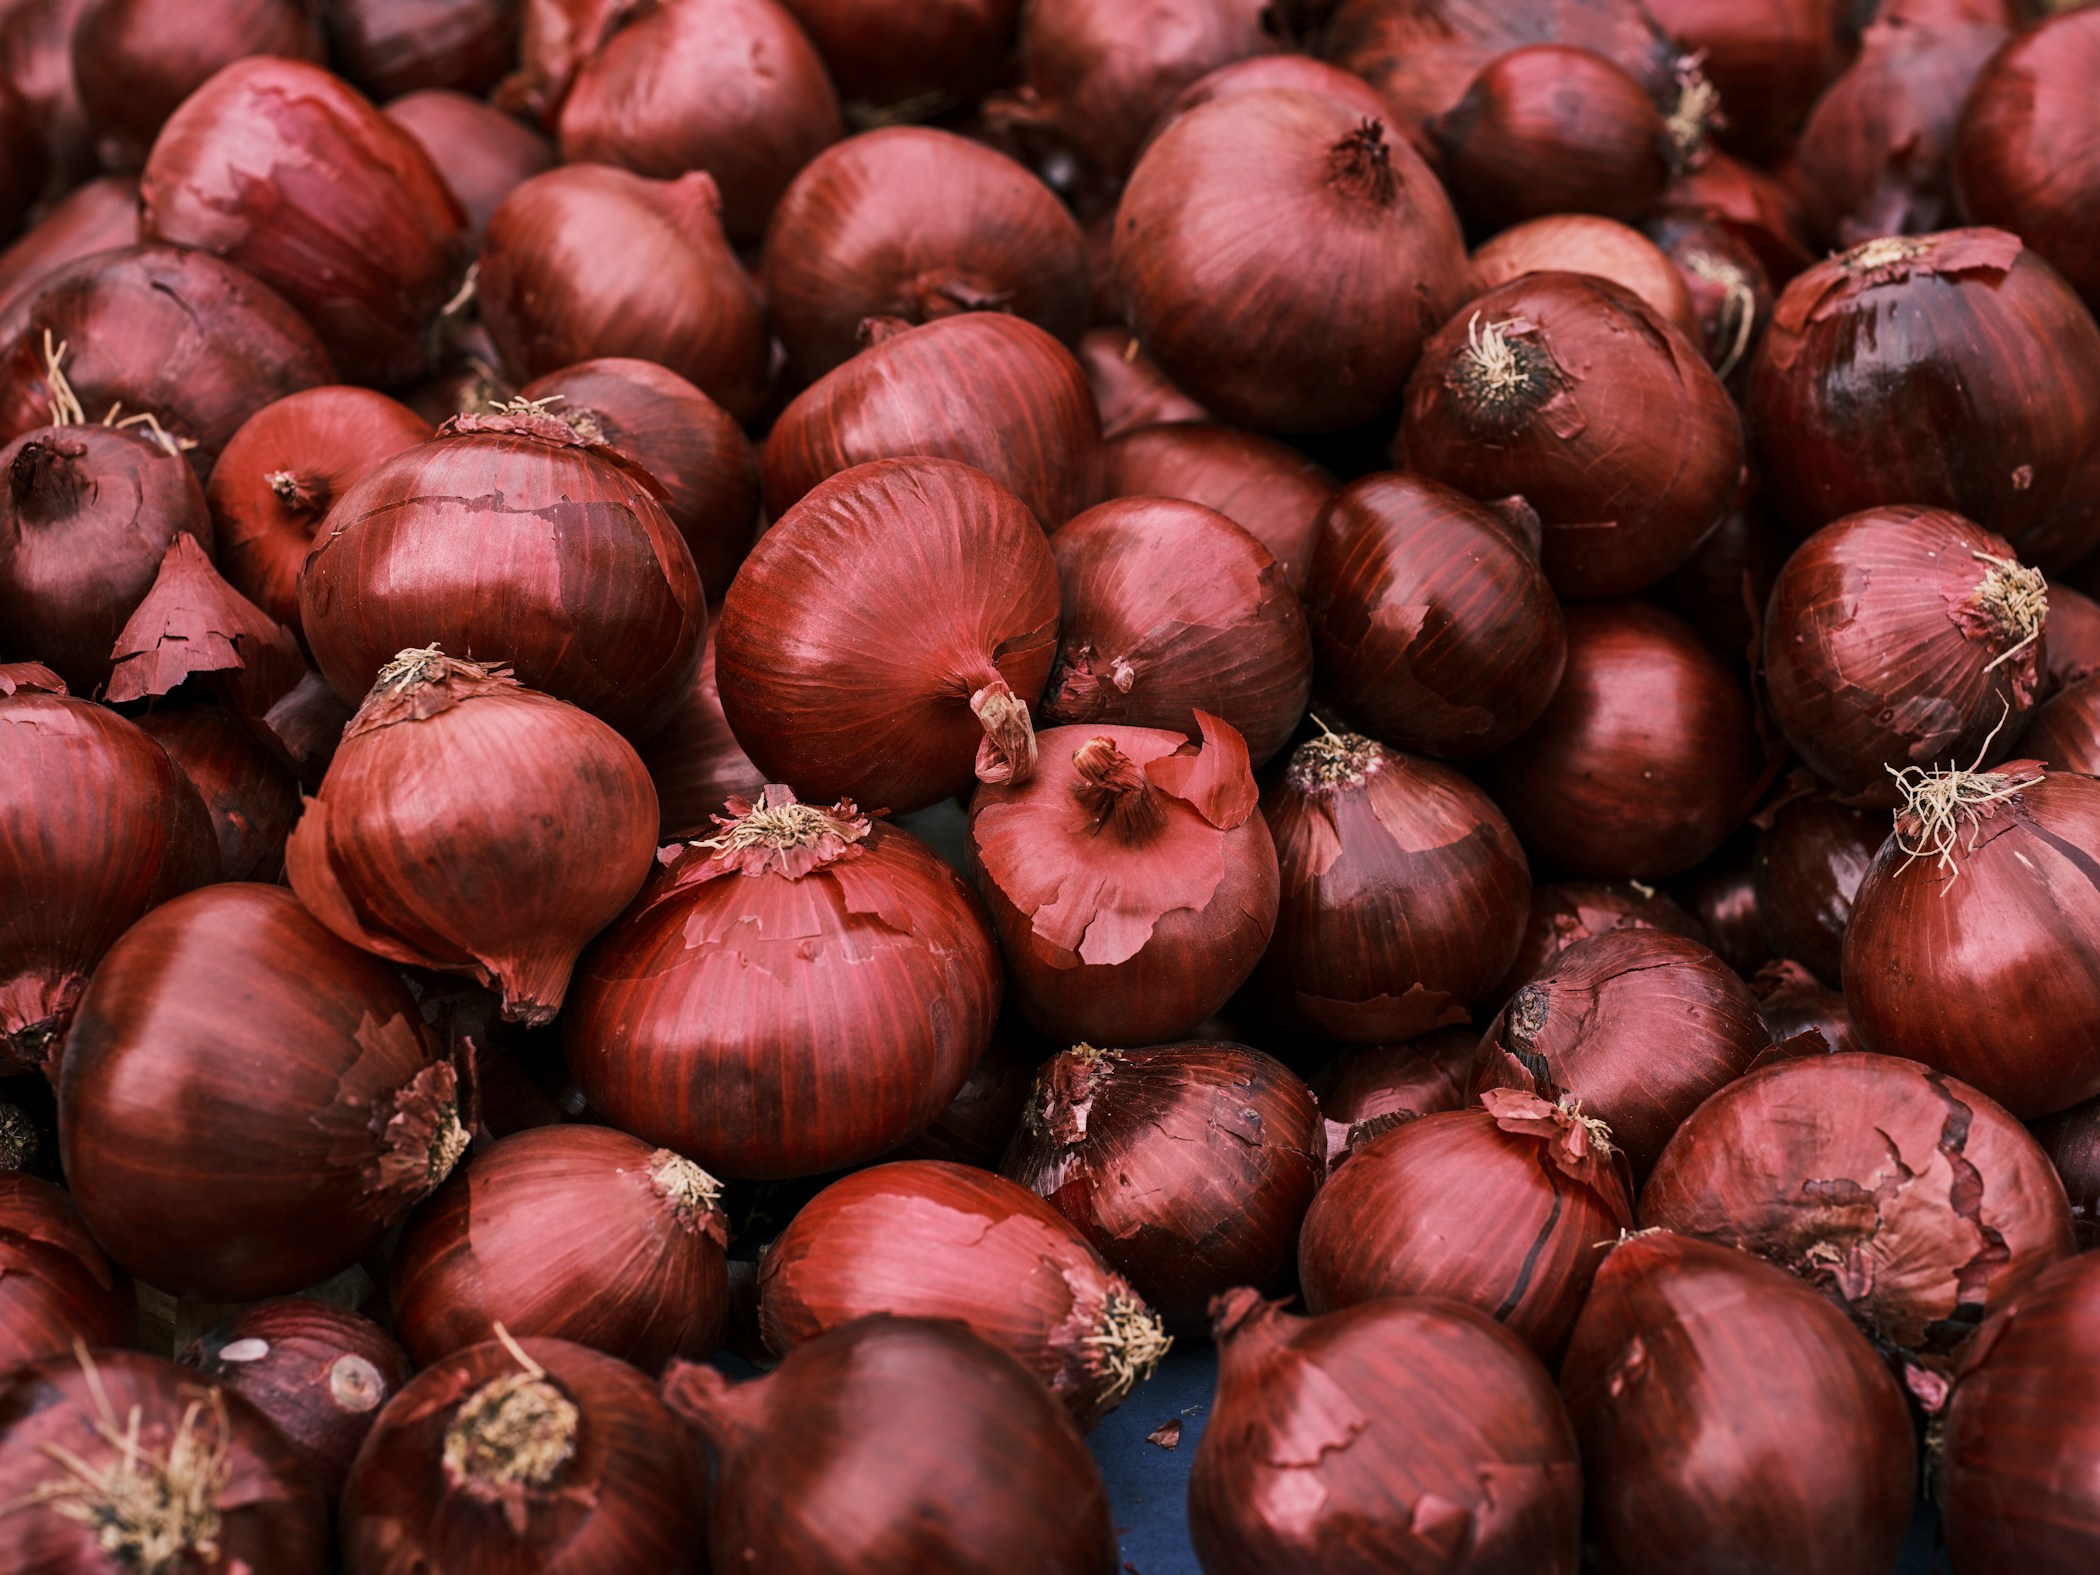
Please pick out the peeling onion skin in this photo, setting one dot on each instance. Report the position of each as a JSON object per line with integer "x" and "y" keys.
{"x": 883, "y": 52}
{"x": 1367, "y": 1088}
{"x": 56, "y": 1285}
{"x": 482, "y": 153}
{"x": 2071, "y": 1139}
{"x": 1396, "y": 1436}
{"x": 1564, "y": 912}
{"x": 1805, "y": 1458}
{"x": 252, "y": 800}
{"x": 1807, "y": 867}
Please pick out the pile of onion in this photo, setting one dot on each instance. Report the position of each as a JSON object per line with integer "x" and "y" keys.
{"x": 56, "y": 1286}
{"x": 1564, "y": 912}
{"x": 1271, "y": 491}
{"x": 253, "y": 801}
{"x": 1368, "y": 1089}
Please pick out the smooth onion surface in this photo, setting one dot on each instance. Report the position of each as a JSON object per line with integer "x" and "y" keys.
{"x": 2064, "y": 733}
{"x": 1272, "y": 492}
{"x": 390, "y": 47}
{"x": 482, "y": 153}
{"x": 1807, "y": 868}
{"x": 252, "y": 800}
{"x": 1588, "y": 243}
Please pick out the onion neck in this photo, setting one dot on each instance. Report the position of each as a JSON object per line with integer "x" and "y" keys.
{"x": 2014, "y": 601}
{"x": 45, "y": 481}
{"x": 1114, "y": 793}
{"x": 1128, "y": 1343}
{"x": 1007, "y": 754}
{"x": 300, "y": 494}
{"x": 1334, "y": 761}
{"x": 1503, "y": 376}
{"x": 510, "y": 1438}
{"x": 148, "y": 1509}
{"x": 781, "y": 835}
{"x": 1360, "y": 166}
{"x": 692, "y": 1195}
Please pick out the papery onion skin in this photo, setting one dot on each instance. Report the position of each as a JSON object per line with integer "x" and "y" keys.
{"x": 56, "y": 1285}
{"x": 482, "y": 153}
{"x": 803, "y": 991}
{"x": 1638, "y": 1025}
{"x": 1914, "y": 1201}
{"x": 1129, "y": 388}
{"x": 1646, "y": 757}
{"x": 2071, "y": 1139}
{"x": 1398, "y": 1435}
{"x": 604, "y": 1479}
{"x": 252, "y": 800}
{"x": 894, "y": 51}
{"x": 1564, "y": 912}
{"x": 96, "y": 217}
{"x": 1188, "y": 1166}
{"x": 696, "y": 762}
{"x": 1431, "y": 617}
{"x": 392, "y": 47}
{"x": 195, "y": 1181}
{"x": 1012, "y": 402}
{"x": 1793, "y": 1002}
{"x": 320, "y": 1373}
{"x": 1270, "y": 491}
{"x": 978, "y": 1468}
{"x": 254, "y": 159}
{"x": 1293, "y": 199}
{"x": 2064, "y": 732}
{"x": 1768, "y": 61}
{"x": 1589, "y": 243}
{"x": 1805, "y": 1458}
{"x": 1808, "y": 864}
{"x": 1368, "y": 1088}
{"x": 920, "y": 1238}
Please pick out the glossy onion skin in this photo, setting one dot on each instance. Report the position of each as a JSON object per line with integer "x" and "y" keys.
{"x": 990, "y": 390}
{"x": 696, "y": 762}
{"x": 1768, "y": 60}
{"x": 1792, "y": 1001}
{"x": 197, "y": 1182}
{"x": 1807, "y": 868}
{"x": 56, "y": 1285}
{"x": 1564, "y": 912}
{"x": 1616, "y": 432}
{"x": 1987, "y": 976}
{"x": 99, "y": 216}
{"x": 2065, "y": 731}
{"x": 1272, "y": 492}
{"x": 1129, "y": 388}
{"x": 629, "y": 1500}
{"x": 1405, "y": 893}
{"x": 1403, "y": 1216}
{"x": 1588, "y": 243}
{"x": 514, "y": 540}
{"x": 1431, "y": 617}
{"x": 917, "y": 223}
{"x": 392, "y": 47}
{"x": 482, "y": 153}
{"x": 1645, "y": 759}
{"x": 288, "y": 172}
{"x": 883, "y": 51}
{"x": 1639, "y": 1025}
{"x": 847, "y": 662}
{"x": 252, "y": 800}
{"x": 1731, "y": 1418}
{"x": 1292, "y": 199}
{"x": 2071, "y": 1139}
{"x": 1400, "y": 1435}
{"x": 979, "y": 1470}
{"x": 1418, "y": 1077}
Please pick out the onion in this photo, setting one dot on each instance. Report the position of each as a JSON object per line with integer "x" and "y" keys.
{"x": 1167, "y": 608}
{"x": 97, "y": 217}
{"x": 390, "y": 47}
{"x": 1646, "y": 758}
{"x": 1809, "y": 862}
{"x": 2072, "y": 651}
{"x": 253, "y": 801}
{"x": 1273, "y": 493}
{"x": 1722, "y": 895}
{"x": 120, "y": 1461}
{"x": 1728, "y": 282}
{"x": 1404, "y": 893}
{"x": 982, "y": 1118}
{"x": 199, "y": 1178}
{"x": 1999, "y": 854}
{"x": 1587, "y": 243}
{"x": 1369, "y": 1089}
{"x": 1401, "y": 1434}
{"x": 285, "y": 171}
{"x": 1901, "y": 637}
{"x": 1638, "y": 1026}
{"x": 280, "y": 473}
{"x": 1293, "y": 200}
{"x": 1757, "y": 208}
{"x": 475, "y": 826}
{"x": 1725, "y": 588}
{"x": 56, "y": 1287}
{"x": 893, "y": 1446}
{"x": 1729, "y": 1416}
{"x": 909, "y": 53}
{"x": 1768, "y": 61}
{"x": 689, "y": 445}
{"x": 1129, "y": 389}
{"x": 852, "y": 664}
{"x": 2065, "y": 731}
{"x": 1431, "y": 618}
{"x": 1189, "y": 1167}
{"x": 43, "y": 129}
{"x": 1569, "y": 911}
{"x": 2026, "y": 156}
{"x": 319, "y": 1373}
{"x": 2071, "y": 1139}
{"x": 804, "y": 990}
{"x": 589, "y": 261}
{"x": 482, "y": 153}
{"x": 527, "y": 1455}
{"x": 1953, "y": 371}
{"x": 696, "y": 762}
{"x": 1795, "y": 1006}
{"x": 555, "y": 37}
{"x": 990, "y": 390}
{"x": 570, "y": 1233}
{"x": 1131, "y": 882}
{"x": 516, "y": 538}
{"x": 914, "y": 223}
{"x": 732, "y": 87}
{"x": 1257, "y": 72}
{"x": 1399, "y": 1216}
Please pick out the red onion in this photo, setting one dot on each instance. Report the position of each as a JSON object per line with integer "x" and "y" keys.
{"x": 320, "y": 1373}
{"x": 1768, "y": 61}
{"x": 1400, "y": 1216}
{"x": 733, "y": 87}
{"x": 1168, "y": 608}
{"x": 2072, "y": 651}
{"x": 1722, "y": 895}
{"x": 982, "y": 1118}
{"x": 1796, "y": 1007}
{"x": 852, "y": 665}
{"x": 516, "y": 538}
{"x": 1132, "y": 884}
{"x": 1404, "y": 893}
{"x": 1638, "y": 1026}
{"x": 2065, "y": 731}
{"x": 204, "y": 1181}
{"x": 253, "y": 801}
{"x": 284, "y": 170}
{"x": 482, "y": 153}
{"x": 1368, "y": 1089}
{"x": 56, "y": 1287}
{"x": 1569, "y": 911}
{"x": 1129, "y": 388}
{"x": 1953, "y": 371}
{"x": 1730, "y": 1416}
{"x": 390, "y": 47}
{"x": 97, "y": 217}
{"x": 893, "y": 1446}
{"x": 696, "y": 762}
{"x": 555, "y": 37}
{"x": 570, "y": 1233}
{"x": 904, "y": 52}
{"x": 1294, "y": 200}
{"x": 1728, "y": 282}
{"x": 1644, "y": 761}
{"x": 2071, "y": 1139}
{"x": 1273, "y": 493}
{"x": 1587, "y": 243}
{"x": 990, "y": 390}
{"x": 1809, "y": 862}
{"x": 1723, "y": 591}
{"x": 1257, "y": 72}
{"x": 1401, "y": 1434}
{"x": 527, "y": 1455}
{"x": 914, "y": 223}
{"x": 36, "y": 63}
{"x": 1188, "y": 1166}
{"x": 1432, "y": 620}
{"x": 2000, "y": 854}
{"x": 804, "y": 990}
{"x": 589, "y": 261}
{"x": 1757, "y": 208}
{"x": 923, "y": 1239}
{"x": 120, "y": 1461}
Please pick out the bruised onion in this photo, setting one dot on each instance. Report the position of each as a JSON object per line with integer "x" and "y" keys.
{"x": 482, "y": 153}
{"x": 900, "y": 52}
{"x": 1369, "y": 1088}
{"x": 2071, "y": 1139}
{"x": 96, "y": 217}
{"x": 56, "y": 1286}
{"x": 1797, "y": 1007}
{"x": 1294, "y": 200}
{"x": 1588, "y": 243}
{"x": 1272, "y": 492}
{"x": 696, "y": 762}
{"x": 390, "y": 47}
{"x": 1565, "y": 912}
{"x": 1809, "y": 862}
{"x": 252, "y": 800}
{"x": 2064, "y": 733}
{"x": 1129, "y": 388}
